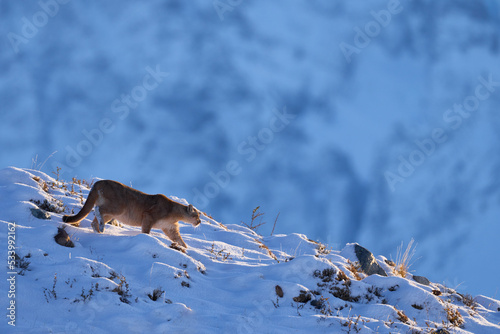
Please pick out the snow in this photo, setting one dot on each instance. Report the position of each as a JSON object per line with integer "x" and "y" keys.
{"x": 225, "y": 282}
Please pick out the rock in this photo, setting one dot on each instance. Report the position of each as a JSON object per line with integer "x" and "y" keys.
{"x": 436, "y": 292}
{"x": 422, "y": 280}
{"x": 39, "y": 213}
{"x": 367, "y": 261}
{"x": 279, "y": 291}
{"x": 63, "y": 239}
{"x": 304, "y": 297}
{"x": 390, "y": 262}
{"x": 318, "y": 303}
{"x": 441, "y": 331}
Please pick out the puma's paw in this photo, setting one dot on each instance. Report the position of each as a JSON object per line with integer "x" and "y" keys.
{"x": 176, "y": 246}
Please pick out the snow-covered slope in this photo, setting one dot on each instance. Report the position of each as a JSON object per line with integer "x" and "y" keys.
{"x": 230, "y": 280}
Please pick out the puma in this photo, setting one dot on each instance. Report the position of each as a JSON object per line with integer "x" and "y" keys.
{"x": 114, "y": 200}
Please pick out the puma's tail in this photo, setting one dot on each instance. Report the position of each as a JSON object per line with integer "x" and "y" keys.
{"x": 87, "y": 207}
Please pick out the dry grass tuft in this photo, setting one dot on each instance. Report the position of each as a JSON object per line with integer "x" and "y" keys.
{"x": 469, "y": 301}
{"x": 403, "y": 259}
{"x": 355, "y": 268}
{"x": 269, "y": 252}
{"x": 453, "y": 316}
{"x": 254, "y": 225}
{"x": 402, "y": 316}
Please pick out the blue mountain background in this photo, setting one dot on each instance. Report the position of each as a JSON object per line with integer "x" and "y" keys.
{"x": 372, "y": 122}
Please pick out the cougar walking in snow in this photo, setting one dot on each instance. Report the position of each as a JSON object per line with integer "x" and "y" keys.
{"x": 114, "y": 200}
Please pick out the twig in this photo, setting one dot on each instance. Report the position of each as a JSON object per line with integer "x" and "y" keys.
{"x": 275, "y": 223}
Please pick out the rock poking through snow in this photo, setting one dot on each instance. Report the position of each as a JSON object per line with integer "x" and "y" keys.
{"x": 367, "y": 261}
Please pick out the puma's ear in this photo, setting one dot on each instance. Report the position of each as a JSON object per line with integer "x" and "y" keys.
{"x": 190, "y": 208}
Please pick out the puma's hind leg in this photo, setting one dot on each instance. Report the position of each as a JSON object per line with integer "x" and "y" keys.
{"x": 100, "y": 220}
{"x": 95, "y": 225}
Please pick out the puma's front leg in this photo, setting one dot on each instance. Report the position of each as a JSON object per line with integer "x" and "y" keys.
{"x": 174, "y": 235}
{"x": 147, "y": 224}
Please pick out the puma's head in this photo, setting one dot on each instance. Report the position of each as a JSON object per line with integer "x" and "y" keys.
{"x": 193, "y": 215}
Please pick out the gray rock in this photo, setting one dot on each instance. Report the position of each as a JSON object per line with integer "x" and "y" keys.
{"x": 390, "y": 262}
{"x": 441, "y": 331}
{"x": 318, "y": 303}
{"x": 39, "y": 213}
{"x": 422, "y": 280}
{"x": 367, "y": 261}
{"x": 62, "y": 238}
{"x": 279, "y": 291}
{"x": 304, "y": 297}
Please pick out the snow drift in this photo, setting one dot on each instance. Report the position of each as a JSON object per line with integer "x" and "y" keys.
{"x": 230, "y": 280}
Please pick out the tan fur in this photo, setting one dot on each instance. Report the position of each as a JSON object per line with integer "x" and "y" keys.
{"x": 114, "y": 200}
